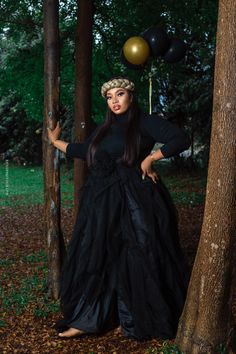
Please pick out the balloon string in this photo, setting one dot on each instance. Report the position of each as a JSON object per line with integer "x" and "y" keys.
{"x": 150, "y": 95}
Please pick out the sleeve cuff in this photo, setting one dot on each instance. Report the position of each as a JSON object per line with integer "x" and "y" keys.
{"x": 68, "y": 151}
{"x": 163, "y": 151}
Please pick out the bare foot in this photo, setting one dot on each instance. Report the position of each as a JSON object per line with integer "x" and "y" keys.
{"x": 71, "y": 332}
{"x": 118, "y": 330}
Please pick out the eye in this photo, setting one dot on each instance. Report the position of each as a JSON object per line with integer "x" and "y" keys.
{"x": 108, "y": 98}
{"x": 120, "y": 93}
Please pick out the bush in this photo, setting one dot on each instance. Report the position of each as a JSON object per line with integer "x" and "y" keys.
{"x": 20, "y": 137}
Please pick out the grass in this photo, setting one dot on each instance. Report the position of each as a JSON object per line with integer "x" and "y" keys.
{"x": 170, "y": 348}
{"x": 31, "y": 289}
{"x": 167, "y": 348}
{"x": 23, "y": 185}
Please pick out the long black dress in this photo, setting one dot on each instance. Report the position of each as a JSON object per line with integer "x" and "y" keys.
{"x": 124, "y": 263}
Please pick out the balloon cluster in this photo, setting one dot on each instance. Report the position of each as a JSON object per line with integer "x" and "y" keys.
{"x": 152, "y": 42}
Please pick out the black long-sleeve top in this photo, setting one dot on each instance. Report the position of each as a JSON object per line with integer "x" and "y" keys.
{"x": 154, "y": 129}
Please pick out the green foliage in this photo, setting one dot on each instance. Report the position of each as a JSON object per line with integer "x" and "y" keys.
{"x": 35, "y": 257}
{"x": 182, "y": 91}
{"x": 21, "y": 73}
{"x": 188, "y": 198}
{"x": 46, "y": 307}
{"x": 20, "y": 138}
{"x": 2, "y": 323}
{"x": 166, "y": 348}
{"x": 170, "y": 348}
{"x": 23, "y": 77}
{"x": 221, "y": 349}
{"x": 6, "y": 262}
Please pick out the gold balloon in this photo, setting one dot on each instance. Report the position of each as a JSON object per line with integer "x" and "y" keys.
{"x": 136, "y": 50}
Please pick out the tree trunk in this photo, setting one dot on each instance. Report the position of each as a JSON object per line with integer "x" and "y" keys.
{"x": 83, "y": 84}
{"x": 206, "y": 320}
{"x": 52, "y": 229}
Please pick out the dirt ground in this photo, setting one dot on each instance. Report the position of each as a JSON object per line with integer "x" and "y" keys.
{"x": 21, "y": 235}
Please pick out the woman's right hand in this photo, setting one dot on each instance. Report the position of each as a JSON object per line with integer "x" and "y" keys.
{"x": 53, "y": 135}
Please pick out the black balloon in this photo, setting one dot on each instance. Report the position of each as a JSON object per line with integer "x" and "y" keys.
{"x": 128, "y": 64}
{"x": 157, "y": 39}
{"x": 176, "y": 51}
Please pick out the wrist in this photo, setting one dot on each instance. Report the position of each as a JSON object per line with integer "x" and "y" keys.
{"x": 53, "y": 142}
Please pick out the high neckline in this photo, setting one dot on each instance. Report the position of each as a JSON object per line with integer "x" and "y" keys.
{"x": 121, "y": 118}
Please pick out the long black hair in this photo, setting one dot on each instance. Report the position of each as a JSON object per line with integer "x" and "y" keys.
{"x": 132, "y": 138}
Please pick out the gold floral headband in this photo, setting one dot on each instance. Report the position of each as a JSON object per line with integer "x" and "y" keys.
{"x": 115, "y": 83}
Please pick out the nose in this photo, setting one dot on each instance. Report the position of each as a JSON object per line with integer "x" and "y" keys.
{"x": 114, "y": 99}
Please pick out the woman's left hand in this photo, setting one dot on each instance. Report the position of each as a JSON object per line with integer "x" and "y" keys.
{"x": 146, "y": 167}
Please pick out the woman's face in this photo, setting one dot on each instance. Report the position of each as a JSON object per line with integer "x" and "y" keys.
{"x": 118, "y": 100}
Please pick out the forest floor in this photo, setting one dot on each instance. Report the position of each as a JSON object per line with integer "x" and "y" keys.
{"x": 27, "y": 317}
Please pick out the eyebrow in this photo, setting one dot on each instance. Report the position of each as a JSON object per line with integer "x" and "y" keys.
{"x": 119, "y": 90}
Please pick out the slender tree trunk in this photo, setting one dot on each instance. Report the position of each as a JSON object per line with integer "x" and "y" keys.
{"x": 82, "y": 88}
{"x": 52, "y": 230}
{"x": 206, "y": 319}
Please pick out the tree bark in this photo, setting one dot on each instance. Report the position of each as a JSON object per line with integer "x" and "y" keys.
{"x": 206, "y": 320}
{"x": 83, "y": 69}
{"x": 52, "y": 229}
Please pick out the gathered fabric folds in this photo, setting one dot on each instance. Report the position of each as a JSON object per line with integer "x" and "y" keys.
{"x": 124, "y": 264}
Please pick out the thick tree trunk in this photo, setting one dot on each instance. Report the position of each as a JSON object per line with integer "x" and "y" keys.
{"x": 82, "y": 88}
{"x": 52, "y": 228}
{"x": 206, "y": 319}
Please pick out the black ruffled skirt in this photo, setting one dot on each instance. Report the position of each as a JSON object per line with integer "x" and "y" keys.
{"x": 124, "y": 264}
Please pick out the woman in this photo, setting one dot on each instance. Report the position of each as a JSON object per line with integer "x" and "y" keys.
{"x": 124, "y": 264}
